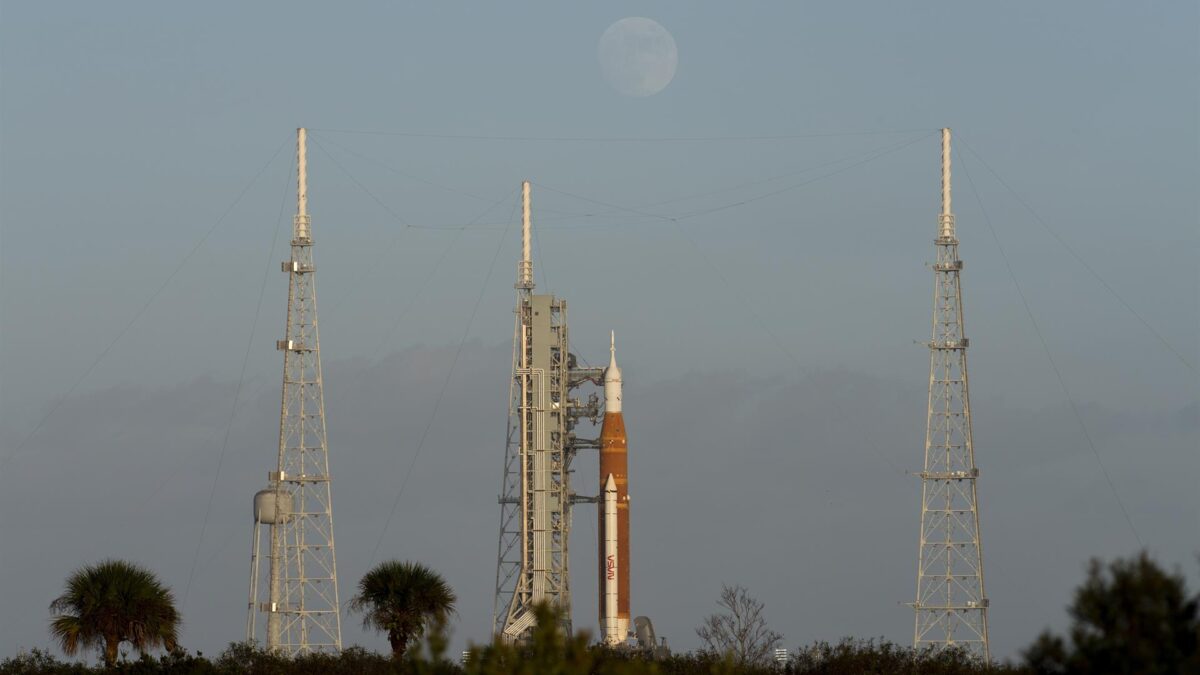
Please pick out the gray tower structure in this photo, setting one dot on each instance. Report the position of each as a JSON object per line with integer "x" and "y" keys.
{"x": 532, "y": 563}
{"x": 951, "y": 606}
{"x": 300, "y": 608}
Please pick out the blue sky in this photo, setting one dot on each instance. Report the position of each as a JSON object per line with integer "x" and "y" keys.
{"x": 128, "y": 131}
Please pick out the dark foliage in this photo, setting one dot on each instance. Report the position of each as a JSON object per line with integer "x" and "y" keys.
{"x": 112, "y": 602}
{"x": 867, "y": 657}
{"x": 572, "y": 657}
{"x": 1130, "y": 616}
{"x": 239, "y": 659}
{"x": 547, "y": 653}
{"x": 402, "y": 599}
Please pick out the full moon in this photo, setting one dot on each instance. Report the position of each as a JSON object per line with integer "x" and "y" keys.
{"x": 638, "y": 56}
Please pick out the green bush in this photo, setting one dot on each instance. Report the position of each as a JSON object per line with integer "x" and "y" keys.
{"x": 547, "y": 653}
{"x": 1129, "y": 616}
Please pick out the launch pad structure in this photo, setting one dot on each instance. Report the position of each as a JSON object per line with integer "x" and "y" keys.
{"x": 293, "y": 597}
{"x": 293, "y": 594}
{"x": 533, "y": 564}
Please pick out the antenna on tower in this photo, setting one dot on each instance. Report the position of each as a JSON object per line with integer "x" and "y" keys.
{"x": 951, "y": 606}
{"x": 301, "y": 604}
{"x": 525, "y": 267}
{"x": 300, "y": 223}
{"x": 946, "y": 218}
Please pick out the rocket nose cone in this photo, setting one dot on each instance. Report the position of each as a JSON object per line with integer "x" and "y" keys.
{"x": 612, "y": 380}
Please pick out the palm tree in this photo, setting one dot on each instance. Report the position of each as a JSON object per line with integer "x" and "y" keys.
{"x": 111, "y": 602}
{"x": 402, "y": 598}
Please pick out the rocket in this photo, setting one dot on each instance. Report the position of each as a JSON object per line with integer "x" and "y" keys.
{"x": 614, "y": 516}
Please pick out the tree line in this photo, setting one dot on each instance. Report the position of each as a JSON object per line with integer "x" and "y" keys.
{"x": 1129, "y": 616}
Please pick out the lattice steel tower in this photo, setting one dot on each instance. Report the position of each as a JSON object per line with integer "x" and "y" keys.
{"x": 532, "y": 562}
{"x": 951, "y": 606}
{"x": 301, "y": 607}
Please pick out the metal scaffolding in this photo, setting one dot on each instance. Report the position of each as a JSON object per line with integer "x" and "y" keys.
{"x": 301, "y": 605}
{"x": 951, "y": 606}
{"x": 532, "y": 564}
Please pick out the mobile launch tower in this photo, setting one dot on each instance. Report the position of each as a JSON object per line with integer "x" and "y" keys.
{"x": 301, "y": 603}
{"x": 532, "y": 562}
{"x": 951, "y": 606}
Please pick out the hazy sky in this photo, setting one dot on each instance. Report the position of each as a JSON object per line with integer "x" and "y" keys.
{"x": 766, "y": 309}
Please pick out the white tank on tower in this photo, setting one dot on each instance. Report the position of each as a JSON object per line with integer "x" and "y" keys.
{"x": 271, "y": 507}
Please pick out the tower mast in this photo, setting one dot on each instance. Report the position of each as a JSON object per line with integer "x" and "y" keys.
{"x": 301, "y": 608}
{"x": 951, "y": 606}
{"x": 532, "y": 563}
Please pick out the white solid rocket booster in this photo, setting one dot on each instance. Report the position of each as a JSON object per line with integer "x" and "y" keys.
{"x": 613, "y": 635}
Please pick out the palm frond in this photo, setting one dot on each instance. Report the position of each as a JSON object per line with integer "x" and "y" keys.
{"x": 402, "y": 598}
{"x": 115, "y": 598}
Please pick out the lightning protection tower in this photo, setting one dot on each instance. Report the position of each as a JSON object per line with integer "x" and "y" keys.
{"x": 951, "y": 606}
{"x": 532, "y": 564}
{"x": 301, "y": 605}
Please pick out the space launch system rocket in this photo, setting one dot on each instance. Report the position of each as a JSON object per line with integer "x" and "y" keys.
{"x": 614, "y": 511}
